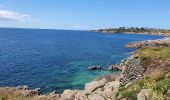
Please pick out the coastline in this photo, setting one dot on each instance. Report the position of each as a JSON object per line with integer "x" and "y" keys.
{"x": 104, "y": 87}
{"x": 135, "y": 30}
{"x": 144, "y": 33}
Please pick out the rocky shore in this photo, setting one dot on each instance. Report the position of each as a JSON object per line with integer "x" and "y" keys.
{"x": 109, "y": 87}
{"x": 165, "y": 42}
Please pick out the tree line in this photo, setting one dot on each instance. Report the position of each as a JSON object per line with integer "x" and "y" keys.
{"x": 133, "y": 29}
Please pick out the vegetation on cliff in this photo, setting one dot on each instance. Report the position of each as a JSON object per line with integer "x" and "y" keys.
{"x": 152, "y": 53}
{"x": 156, "y": 78}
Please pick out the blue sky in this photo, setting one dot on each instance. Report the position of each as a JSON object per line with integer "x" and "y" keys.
{"x": 84, "y": 14}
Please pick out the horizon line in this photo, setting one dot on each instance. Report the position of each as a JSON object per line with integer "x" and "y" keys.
{"x": 77, "y": 29}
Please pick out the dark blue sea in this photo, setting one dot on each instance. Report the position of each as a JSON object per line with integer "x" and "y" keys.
{"x": 57, "y": 59}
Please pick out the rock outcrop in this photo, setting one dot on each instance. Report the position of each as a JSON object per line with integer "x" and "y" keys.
{"x": 165, "y": 42}
{"x": 69, "y": 94}
{"x": 18, "y": 92}
{"x": 92, "y": 86}
{"x": 94, "y": 68}
{"x": 115, "y": 67}
{"x": 133, "y": 70}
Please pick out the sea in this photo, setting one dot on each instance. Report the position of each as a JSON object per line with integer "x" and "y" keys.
{"x": 54, "y": 60}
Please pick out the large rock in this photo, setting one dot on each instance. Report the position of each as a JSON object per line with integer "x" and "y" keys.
{"x": 98, "y": 91}
{"x": 165, "y": 42}
{"x": 54, "y": 95}
{"x": 115, "y": 67}
{"x": 143, "y": 95}
{"x": 31, "y": 93}
{"x": 25, "y": 87}
{"x": 81, "y": 96}
{"x": 92, "y": 86}
{"x": 112, "y": 85}
{"x": 96, "y": 97}
{"x": 94, "y": 68}
{"x": 109, "y": 78}
{"x": 69, "y": 94}
{"x": 110, "y": 93}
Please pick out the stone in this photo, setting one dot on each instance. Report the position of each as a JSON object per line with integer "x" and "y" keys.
{"x": 69, "y": 94}
{"x": 167, "y": 75}
{"x": 115, "y": 67}
{"x": 96, "y": 97}
{"x": 119, "y": 97}
{"x": 110, "y": 93}
{"x": 37, "y": 89}
{"x": 98, "y": 91}
{"x": 81, "y": 96}
{"x": 22, "y": 87}
{"x": 94, "y": 68}
{"x": 143, "y": 95}
{"x": 53, "y": 94}
{"x": 113, "y": 85}
{"x": 133, "y": 70}
{"x": 90, "y": 87}
{"x": 31, "y": 93}
{"x": 165, "y": 42}
{"x": 128, "y": 84}
{"x": 109, "y": 78}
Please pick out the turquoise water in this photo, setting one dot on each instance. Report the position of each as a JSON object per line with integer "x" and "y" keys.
{"x": 57, "y": 59}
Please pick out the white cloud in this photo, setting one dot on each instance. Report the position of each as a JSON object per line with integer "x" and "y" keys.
{"x": 7, "y": 15}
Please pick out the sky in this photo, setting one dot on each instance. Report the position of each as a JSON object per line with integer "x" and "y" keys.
{"x": 84, "y": 14}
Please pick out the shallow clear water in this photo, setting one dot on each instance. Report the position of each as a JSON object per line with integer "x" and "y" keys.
{"x": 57, "y": 59}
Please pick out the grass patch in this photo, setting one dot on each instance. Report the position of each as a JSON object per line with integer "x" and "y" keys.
{"x": 165, "y": 31}
{"x": 158, "y": 89}
{"x": 130, "y": 93}
{"x": 154, "y": 52}
{"x": 157, "y": 81}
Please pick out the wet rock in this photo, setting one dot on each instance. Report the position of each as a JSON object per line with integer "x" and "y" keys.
{"x": 115, "y": 67}
{"x": 94, "y": 68}
{"x": 54, "y": 95}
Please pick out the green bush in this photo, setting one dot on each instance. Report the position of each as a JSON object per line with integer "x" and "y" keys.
{"x": 158, "y": 89}
{"x": 156, "y": 49}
